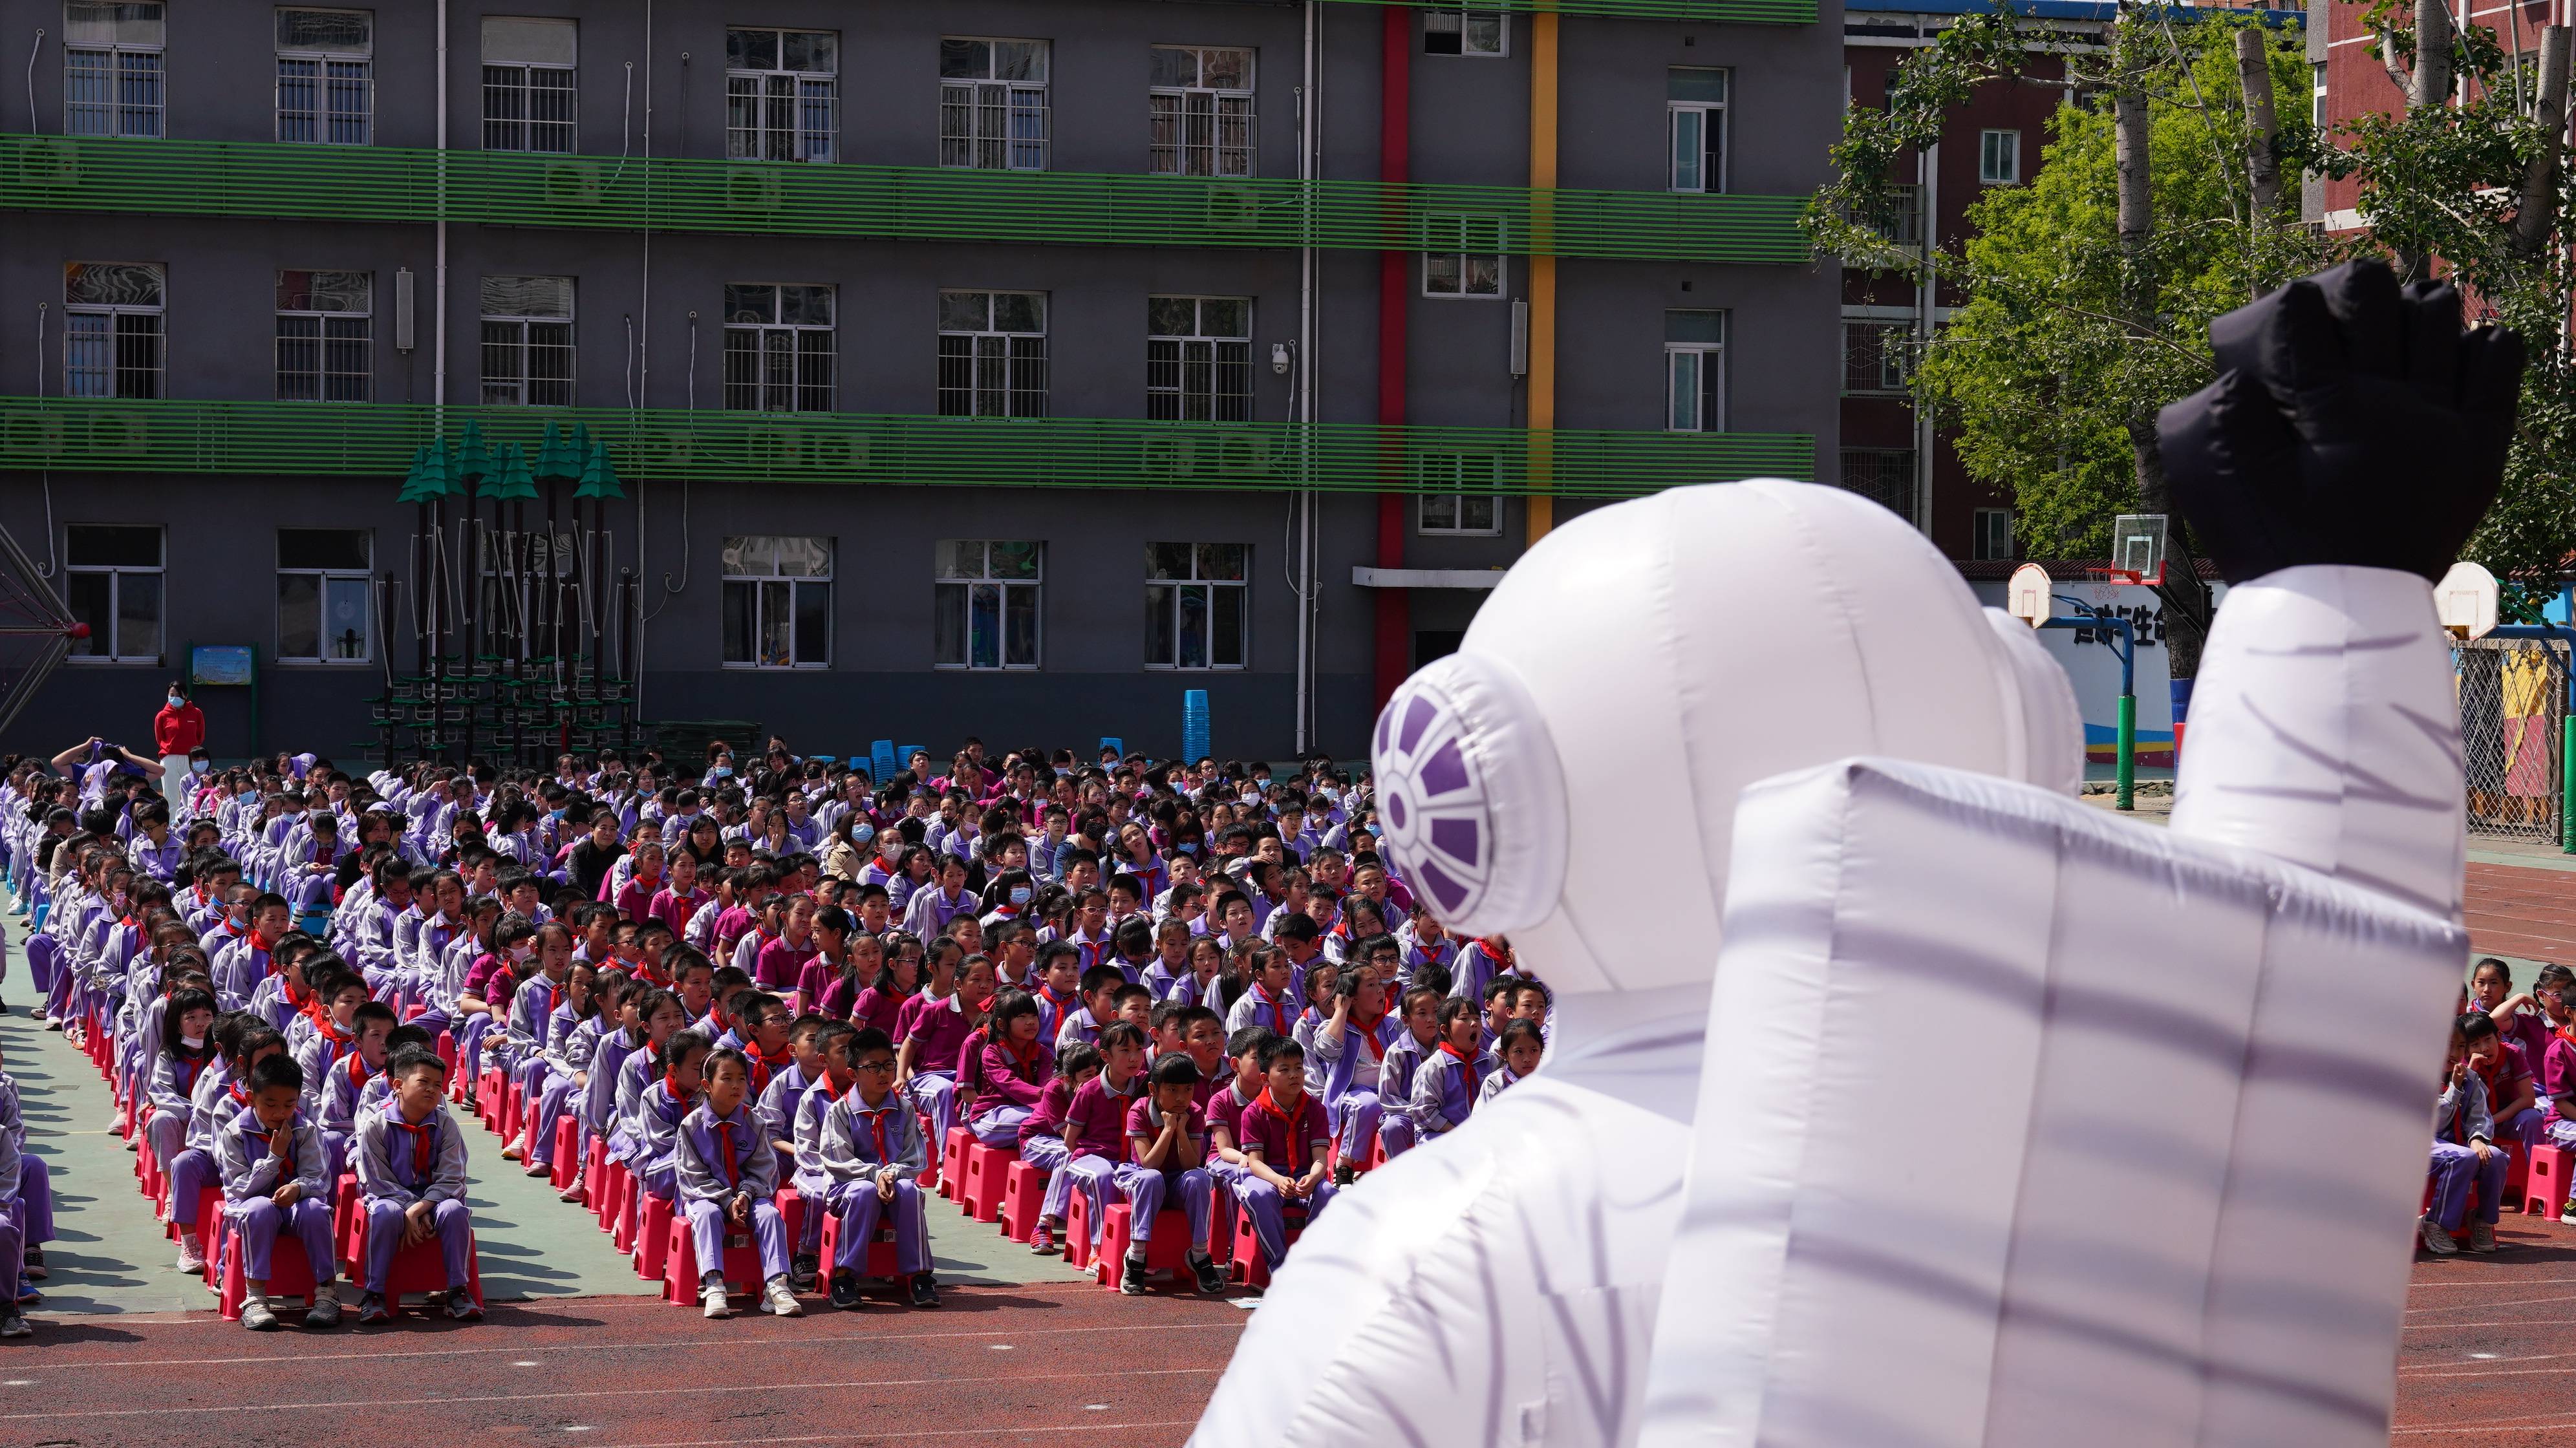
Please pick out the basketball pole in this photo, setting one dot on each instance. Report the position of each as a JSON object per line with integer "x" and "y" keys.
{"x": 2085, "y": 616}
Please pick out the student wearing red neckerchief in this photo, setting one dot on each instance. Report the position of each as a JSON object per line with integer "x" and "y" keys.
{"x": 345, "y": 1082}
{"x": 1167, "y": 1158}
{"x": 1348, "y": 1050}
{"x": 1287, "y": 1145}
{"x": 873, "y": 1150}
{"x": 270, "y": 1158}
{"x": 410, "y": 1160}
{"x": 1446, "y": 1085}
{"x": 728, "y": 1187}
{"x": 1012, "y": 1068}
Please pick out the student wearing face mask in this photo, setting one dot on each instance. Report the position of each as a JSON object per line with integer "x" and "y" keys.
{"x": 177, "y": 731}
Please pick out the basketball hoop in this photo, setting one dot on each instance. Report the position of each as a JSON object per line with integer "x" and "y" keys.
{"x": 2466, "y": 600}
{"x": 2030, "y": 595}
{"x": 2137, "y": 548}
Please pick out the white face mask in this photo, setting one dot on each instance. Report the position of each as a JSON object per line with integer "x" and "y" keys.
{"x": 193, "y": 1043}
{"x": 176, "y": 700}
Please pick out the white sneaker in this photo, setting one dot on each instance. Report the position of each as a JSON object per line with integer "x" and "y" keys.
{"x": 573, "y": 1193}
{"x": 192, "y": 1258}
{"x": 2482, "y": 1237}
{"x": 2436, "y": 1241}
{"x": 780, "y": 1299}
{"x": 714, "y": 1298}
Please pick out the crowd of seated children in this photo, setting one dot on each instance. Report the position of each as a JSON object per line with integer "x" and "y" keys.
{"x": 1184, "y": 985}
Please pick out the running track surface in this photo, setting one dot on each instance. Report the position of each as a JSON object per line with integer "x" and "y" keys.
{"x": 1072, "y": 1365}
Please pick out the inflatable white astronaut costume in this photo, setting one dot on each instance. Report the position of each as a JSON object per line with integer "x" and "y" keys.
{"x": 2003, "y": 1122}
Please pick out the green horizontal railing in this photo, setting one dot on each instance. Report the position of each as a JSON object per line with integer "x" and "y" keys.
{"x": 376, "y": 440}
{"x": 1724, "y": 12}
{"x": 900, "y": 203}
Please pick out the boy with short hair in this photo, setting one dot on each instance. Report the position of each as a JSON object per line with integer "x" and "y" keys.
{"x": 1166, "y": 1156}
{"x": 411, "y": 1184}
{"x": 1095, "y": 1120}
{"x": 728, "y": 1182}
{"x": 1286, "y": 1143}
{"x": 271, "y": 1161}
{"x": 336, "y": 1109}
{"x": 874, "y": 1153}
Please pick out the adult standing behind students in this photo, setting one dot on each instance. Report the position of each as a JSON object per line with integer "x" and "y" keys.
{"x": 177, "y": 731}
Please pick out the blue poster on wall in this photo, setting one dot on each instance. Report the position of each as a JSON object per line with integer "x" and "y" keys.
{"x": 221, "y": 665}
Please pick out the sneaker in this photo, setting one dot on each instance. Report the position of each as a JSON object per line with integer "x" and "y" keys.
{"x": 2436, "y": 1241}
{"x": 461, "y": 1306}
{"x": 35, "y": 1263}
{"x": 53, "y": 1023}
{"x": 541, "y": 1168}
{"x": 1042, "y": 1241}
{"x": 845, "y": 1291}
{"x": 2482, "y": 1237}
{"x": 192, "y": 1257}
{"x": 802, "y": 1271}
{"x": 13, "y": 1323}
{"x": 1210, "y": 1277}
{"x": 372, "y": 1310}
{"x": 573, "y": 1194}
{"x": 925, "y": 1290}
{"x": 510, "y": 1152}
{"x": 779, "y": 1300}
{"x": 1345, "y": 1174}
{"x": 1132, "y": 1280}
{"x": 256, "y": 1316}
{"x": 325, "y": 1311}
{"x": 713, "y": 1295}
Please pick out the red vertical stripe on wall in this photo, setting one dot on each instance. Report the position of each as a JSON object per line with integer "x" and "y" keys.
{"x": 1394, "y": 634}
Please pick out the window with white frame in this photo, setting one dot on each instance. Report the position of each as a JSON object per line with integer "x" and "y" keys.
{"x": 992, "y": 354}
{"x": 1200, "y": 98}
{"x": 326, "y": 76}
{"x": 782, "y": 94}
{"x": 778, "y": 353}
{"x": 1878, "y": 357}
{"x": 1695, "y": 371}
{"x": 993, "y": 104}
{"x": 1457, "y": 491}
{"x": 112, "y": 68}
{"x": 1998, "y": 158}
{"x": 2317, "y": 95}
{"x": 1196, "y": 605}
{"x": 1198, "y": 359}
{"x": 986, "y": 614}
{"x": 1462, "y": 256}
{"x": 777, "y": 603}
{"x": 1695, "y": 125}
{"x": 325, "y": 597}
{"x": 527, "y": 341}
{"x": 112, "y": 340}
{"x": 112, "y": 581}
{"x": 1452, "y": 30}
{"x": 1993, "y": 539}
{"x": 325, "y": 336}
{"x": 529, "y": 84}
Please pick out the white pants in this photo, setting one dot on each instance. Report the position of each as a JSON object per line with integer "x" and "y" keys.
{"x": 175, "y": 780}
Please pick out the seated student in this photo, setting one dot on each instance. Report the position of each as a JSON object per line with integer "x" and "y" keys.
{"x": 379, "y": 1088}
{"x": 1286, "y": 1143}
{"x": 1009, "y": 1069}
{"x": 874, "y": 1153}
{"x": 1166, "y": 1157}
{"x": 1404, "y": 1057}
{"x": 693, "y": 978}
{"x": 1059, "y": 988}
{"x": 411, "y": 1185}
{"x": 798, "y": 1121}
{"x": 657, "y": 1017}
{"x": 1445, "y": 1085}
{"x": 1519, "y": 1049}
{"x": 932, "y": 1032}
{"x": 1095, "y": 1121}
{"x": 555, "y": 1073}
{"x": 2555, "y": 990}
{"x": 1133, "y": 1004}
{"x": 336, "y": 1110}
{"x": 660, "y": 1108}
{"x": 288, "y": 993}
{"x": 1271, "y": 1002}
{"x": 338, "y": 995}
{"x": 187, "y": 1050}
{"x": 520, "y": 1048}
{"x": 784, "y": 1082}
{"x": 1100, "y": 987}
{"x": 1042, "y": 1143}
{"x": 222, "y": 1092}
{"x": 2464, "y": 1152}
{"x": 1501, "y": 995}
{"x": 1239, "y": 1084}
{"x": 35, "y": 1192}
{"x": 1346, "y": 1056}
{"x": 728, "y": 1182}
{"x": 490, "y": 983}
{"x": 271, "y": 1162}
{"x": 1478, "y": 963}
{"x": 2512, "y": 1083}
{"x": 763, "y": 1028}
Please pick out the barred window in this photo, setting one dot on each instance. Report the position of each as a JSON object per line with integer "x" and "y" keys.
{"x": 112, "y": 68}
{"x": 326, "y": 76}
{"x": 778, "y": 354}
{"x": 1201, "y": 104}
{"x": 1462, "y": 256}
{"x": 325, "y": 336}
{"x": 1878, "y": 357}
{"x": 777, "y": 603}
{"x": 782, "y": 94}
{"x": 1196, "y": 605}
{"x": 1458, "y": 493}
{"x": 1885, "y": 474}
{"x": 1198, "y": 359}
{"x": 992, "y": 354}
{"x": 112, "y": 329}
{"x": 993, "y": 104}
{"x": 529, "y": 89}
{"x": 325, "y": 598}
{"x": 986, "y": 597}
{"x": 527, "y": 341}
{"x": 112, "y": 581}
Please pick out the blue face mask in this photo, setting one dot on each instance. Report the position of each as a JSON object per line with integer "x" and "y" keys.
{"x": 863, "y": 834}
{"x": 1019, "y": 894}
{"x": 554, "y": 814}
{"x": 1188, "y": 849}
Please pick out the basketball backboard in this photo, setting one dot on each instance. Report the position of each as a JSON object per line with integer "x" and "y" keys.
{"x": 2466, "y": 600}
{"x": 2030, "y": 596}
{"x": 2138, "y": 547}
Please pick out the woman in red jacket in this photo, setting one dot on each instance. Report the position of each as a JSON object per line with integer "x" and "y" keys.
{"x": 178, "y": 730}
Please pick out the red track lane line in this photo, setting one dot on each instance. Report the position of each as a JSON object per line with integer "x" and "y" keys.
{"x": 1016, "y": 1431}
{"x": 343, "y": 1404}
{"x": 527, "y": 1349}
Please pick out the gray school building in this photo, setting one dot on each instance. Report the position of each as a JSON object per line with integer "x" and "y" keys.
{"x": 983, "y": 367}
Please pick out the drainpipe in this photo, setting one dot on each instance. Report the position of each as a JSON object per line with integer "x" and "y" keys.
{"x": 1542, "y": 277}
{"x": 1394, "y": 647}
{"x": 438, "y": 326}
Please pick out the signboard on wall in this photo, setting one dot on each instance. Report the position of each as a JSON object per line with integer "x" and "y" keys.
{"x": 220, "y": 665}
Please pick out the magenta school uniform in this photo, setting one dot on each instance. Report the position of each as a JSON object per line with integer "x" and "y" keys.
{"x": 1009, "y": 1083}
{"x": 2558, "y": 1078}
{"x": 881, "y": 1009}
{"x": 1291, "y": 1140}
{"x": 1148, "y": 1187}
{"x": 938, "y": 1028}
{"x": 1097, "y": 1119}
{"x": 676, "y": 910}
{"x": 781, "y": 964}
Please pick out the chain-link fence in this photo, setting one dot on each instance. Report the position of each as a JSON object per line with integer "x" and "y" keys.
{"x": 2512, "y": 704}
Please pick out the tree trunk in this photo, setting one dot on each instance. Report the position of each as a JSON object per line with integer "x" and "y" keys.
{"x": 2539, "y": 204}
{"x": 2254, "y": 77}
{"x": 2137, "y": 208}
{"x": 2429, "y": 86}
{"x": 2184, "y": 596}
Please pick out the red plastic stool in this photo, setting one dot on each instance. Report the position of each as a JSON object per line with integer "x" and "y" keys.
{"x": 987, "y": 1168}
{"x": 2517, "y": 1166}
{"x": 211, "y": 1230}
{"x": 491, "y": 1092}
{"x": 1023, "y": 1197}
{"x": 420, "y": 1267}
{"x": 594, "y": 1175}
{"x": 289, "y": 1275}
{"x": 680, "y": 1263}
{"x": 1169, "y": 1251}
{"x": 567, "y": 1151}
{"x": 616, "y": 1194}
{"x": 2545, "y": 1184}
{"x": 513, "y": 1107}
{"x": 1221, "y": 1223}
{"x": 344, "y": 1212}
{"x": 1250, "y": 1267}
{"x": 652, "y": 1234}
{"x": 882, "y": 1261}
{"x": 932, "y": 1178}
{"x": 1077, "y": 1229}
{"x": 952, "y": 1163}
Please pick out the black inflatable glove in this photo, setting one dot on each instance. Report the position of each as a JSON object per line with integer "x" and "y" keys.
{"x": 2351, "y": 423}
